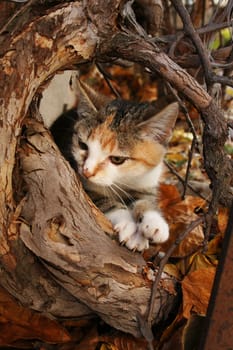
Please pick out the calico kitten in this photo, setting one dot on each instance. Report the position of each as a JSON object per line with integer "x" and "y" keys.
{"x": 117, "y": 147}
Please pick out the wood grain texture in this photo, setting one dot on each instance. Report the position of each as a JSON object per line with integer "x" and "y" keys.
{"x": 60, "y": 228}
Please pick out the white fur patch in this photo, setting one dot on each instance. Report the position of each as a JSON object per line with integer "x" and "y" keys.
{"x": 146, "y": 179}
{"x": 95, "y": 156}
{"x": 154, "y": 227}
{"x": 137, "y": 242}
{"x": 136, "y": 236}
{"x": 123, "y": 223}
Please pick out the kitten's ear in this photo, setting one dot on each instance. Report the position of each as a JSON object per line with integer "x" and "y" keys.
{"x": 160, "y": 125}
{"x": 88, "y": 99}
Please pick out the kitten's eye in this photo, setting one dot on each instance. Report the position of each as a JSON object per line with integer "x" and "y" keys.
{"x": 83, "y": 146}
{"x": 117, "y": 160}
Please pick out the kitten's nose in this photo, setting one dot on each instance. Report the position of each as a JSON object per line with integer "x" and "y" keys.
{"x": 87, "y": 173}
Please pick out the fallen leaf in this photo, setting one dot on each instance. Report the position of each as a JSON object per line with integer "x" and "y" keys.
{"x": 121, "y": 341}
{"x": 179, "y": 214}
{"x": 172, "y": 335}
{"x": 172, "y": 270}
{"x": 195, "y": 262}
{"x": 168, "y": 195}
{"x": 108, "y": 347}
{"x": 196, "y": 288}
{"x": 214, "y": 246}
{"x": 18, "y": 323}
{"x": 223, "y": 215}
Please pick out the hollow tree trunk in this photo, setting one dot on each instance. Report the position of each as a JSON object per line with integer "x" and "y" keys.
{"x": 50, "y": 213}
{"x": 55, "y": 256}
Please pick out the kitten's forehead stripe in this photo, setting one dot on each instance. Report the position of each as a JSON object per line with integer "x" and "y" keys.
{"x": 103, "y": 133}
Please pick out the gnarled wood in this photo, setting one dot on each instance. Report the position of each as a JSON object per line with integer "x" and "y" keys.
{"x": 58, "y": 222}
{"x": 61, "y": 227}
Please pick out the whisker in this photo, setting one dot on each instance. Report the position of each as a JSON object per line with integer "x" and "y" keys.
{"x": 108, "y": 194}
{"x": 124, "y": 192}
{"x": 124, "y": 184}
{"x": 117, "y": 194}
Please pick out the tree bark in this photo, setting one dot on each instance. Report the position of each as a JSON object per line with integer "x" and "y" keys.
{"x": 75, "y": 269}
{"x": 63, "y": 228}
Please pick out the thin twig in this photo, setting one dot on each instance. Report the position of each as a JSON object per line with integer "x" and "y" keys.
{"x": 173, "y": 171}
{"x": 201, "y": 49}
{"x": 186, "y": 113}
{"x": 108, "y": 78}
{"x": 223, "y": 80}
{"x": 189, "y": 29}
{"x": 194, "y": 141}
{"x": 146, "y": 331}
{"x": 190, "y": 157}
{"x": 128, "y": 13}
{"x": 222, "y": 65}
{"x": 163, "y": 262}
{"x": 213, "y": 27}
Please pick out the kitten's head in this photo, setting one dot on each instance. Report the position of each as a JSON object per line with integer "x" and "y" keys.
{"x": 119, "y": 142}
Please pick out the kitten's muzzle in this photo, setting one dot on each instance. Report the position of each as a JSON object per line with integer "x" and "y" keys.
{"x": 87, "y": 173}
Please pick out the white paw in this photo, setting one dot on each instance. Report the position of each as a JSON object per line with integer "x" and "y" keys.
{"x": 154, "y": 227}
{"x": 123, "y": 223}
{"x": 137, "y": 242}
{"x": 126, "y": 230}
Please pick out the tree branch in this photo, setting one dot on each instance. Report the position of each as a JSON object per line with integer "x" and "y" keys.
{"x": 63, "y": 228}
{"x": 188, "y": 28}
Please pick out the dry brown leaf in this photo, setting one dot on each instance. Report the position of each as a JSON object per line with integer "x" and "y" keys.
{"x": 169, "y": 195}
{"x": 108, "y": 347}
{"x": 17, "y": 323}
{"x": 192, "y": 242}
{"x": 175, "y": 342}
{"x": 177, "y": 158}
{"x": 124, "y": 342}
{"x": 172, "y": 335}
{"x": 147, "y": 92}
{"x": 214, "y": 247}
{"x": 196, "y": 288}
{"x": 89, "y": 341}
{"x": 168, "y": 285}
{"x": 223, "y": 216}
{"x": 179, "y": 214}
{"x": 172, "y": 270}
{"x": 195, "y": 262}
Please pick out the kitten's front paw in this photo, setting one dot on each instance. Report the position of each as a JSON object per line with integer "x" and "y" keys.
{"x": 137, "y": 242}
{"x": 154, "y": 227}
{"x": 123, "y": 223}
{"x": 125, "y": 230}
{"x": 128, "y": 235}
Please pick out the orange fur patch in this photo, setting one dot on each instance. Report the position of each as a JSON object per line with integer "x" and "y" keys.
{"x": 148, "y": 152}
{"x": 107, "y": 137}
